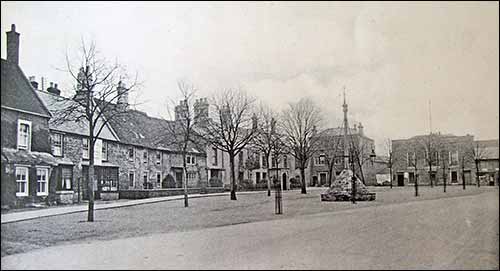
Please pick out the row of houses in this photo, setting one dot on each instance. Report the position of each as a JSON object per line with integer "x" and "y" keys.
{"x": 45, "y": 161}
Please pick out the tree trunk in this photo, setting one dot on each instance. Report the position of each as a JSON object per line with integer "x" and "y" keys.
{"x": 430, "y": 173}
{"x": 184, "y": 169}
{"x": 390, "y": 172}
{"x": 303, "y": 179}
{"x": 463, "y": 176}
{"x": 416, "y": 184}
{"x": 477, "y": 173}
{"x": 233, "y": 180}
{"x": 330, "y": 170}
{"x": 268, "y": 185}
{"x": 444, "y": 179}
{"x": 91, "y": 176}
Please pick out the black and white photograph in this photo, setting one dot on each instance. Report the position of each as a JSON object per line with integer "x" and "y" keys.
{"x": 294, "y": 135}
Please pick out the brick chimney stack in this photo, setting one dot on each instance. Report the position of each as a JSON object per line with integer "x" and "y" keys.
{"x": 201, "y": 109}
{"x": 13, "y": 45}
{"x": 122, "y": 100}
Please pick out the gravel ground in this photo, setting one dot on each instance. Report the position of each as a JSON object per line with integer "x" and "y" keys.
{"x": 164, "y": 217}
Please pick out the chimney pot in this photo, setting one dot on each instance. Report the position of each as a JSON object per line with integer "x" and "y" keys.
{"x": 51, "y": 84}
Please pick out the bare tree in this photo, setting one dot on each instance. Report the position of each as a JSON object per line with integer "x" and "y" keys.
{"x": 267, "y": 140}
{"x": 182, "y": 132}
{"x": 478, "y": 153}
{"x": 233, "y": 127}
{"x": 299, "y": 124}
{"x": 391, "y": 158}
{"x": 99, "y": 97}
{"x": 412, "y": 161}
{"x": 431, "y": 145}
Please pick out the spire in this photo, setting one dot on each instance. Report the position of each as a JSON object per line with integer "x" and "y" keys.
{"x": 346, "y": 126}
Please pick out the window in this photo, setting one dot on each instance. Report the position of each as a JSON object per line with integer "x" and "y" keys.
{"x": 257, "y": 177}
{"x": 145, "y": 156}
{"x": 24, "y": 135}
{"x": 273, "y": 162}
{"x": 66, "y": 177}
{"x": 410, "y": 159}
{"x": 264, "y": 163}
{"x": 158, "y": 178}
{"x": 131, "y": 179}
{"x": 86, "y": 148}
{"x": 338, "y": 160}
{"x": 104, "y": 151}
{"x": 453, "y": 158}
{"x": 191, "y": 177}
{"x": 264, "y": 177}
{"x": 57, "y": 144}
{"x": 131, "y": 153}
{"x": 320, "y": 160}
{"x": 411, "y": 177}
{"x": 285, "y": 161}
{"x": 190, "y": 160}
{"x": 214, "y": 156}
{"x": 158, "y": 158}
{"x": 22, "y": 178}
{"x": 145, "y": 179}
{"x": 42, "y": 188}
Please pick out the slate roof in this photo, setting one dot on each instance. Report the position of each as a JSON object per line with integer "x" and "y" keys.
{"x": 337, "y": 132}
{"x": 137, "y": 128}
{"x": 17, "y": 91}
{"x": 56, "y": 103}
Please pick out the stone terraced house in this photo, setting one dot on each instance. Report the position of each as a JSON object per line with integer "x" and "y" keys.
{"x": 27, "y": 164}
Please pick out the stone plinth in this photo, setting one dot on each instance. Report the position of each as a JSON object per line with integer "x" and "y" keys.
{"x": 341, "y": 189}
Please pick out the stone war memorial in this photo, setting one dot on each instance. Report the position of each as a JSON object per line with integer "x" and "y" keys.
{"x": 341, "y": 189}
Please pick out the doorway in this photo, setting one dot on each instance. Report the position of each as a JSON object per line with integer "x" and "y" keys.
{"x": 401, "y": 179}
{"x": 322, "y": 179}
{"x": 454, "y": 177}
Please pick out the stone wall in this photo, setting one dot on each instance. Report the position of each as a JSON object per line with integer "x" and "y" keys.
{"x": 142, "y": 194}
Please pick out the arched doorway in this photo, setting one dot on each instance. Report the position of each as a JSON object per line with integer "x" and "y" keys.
{"x": 284, "y": 181}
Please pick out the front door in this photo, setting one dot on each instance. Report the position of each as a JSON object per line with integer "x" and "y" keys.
{"x": 454, "y": 177}
{"x": 401, "y": 179}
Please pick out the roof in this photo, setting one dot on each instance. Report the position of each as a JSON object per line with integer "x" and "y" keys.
{"x": 137, "y": 128}
{"x": 17, "y": 92}
{"x": 56, "y": 104}
{"x": 25, "y": 157}
{"x": 336, "y": 132}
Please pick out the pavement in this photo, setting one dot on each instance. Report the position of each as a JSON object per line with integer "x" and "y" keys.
{"x": 45, "y": 212}
{"x": 447, "y": 233}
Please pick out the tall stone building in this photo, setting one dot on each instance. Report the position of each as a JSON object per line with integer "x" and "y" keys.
{"x": 433, "y": 158}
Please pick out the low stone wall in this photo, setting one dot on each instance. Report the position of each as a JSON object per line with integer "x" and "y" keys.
{"x": 109, "y": 195}
{"x": 154, "y": 193}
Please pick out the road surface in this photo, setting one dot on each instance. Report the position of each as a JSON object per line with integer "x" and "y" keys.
{"x": 449, "y": 233}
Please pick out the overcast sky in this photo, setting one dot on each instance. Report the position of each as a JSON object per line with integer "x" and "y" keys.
{"x": 392, "y": 57}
